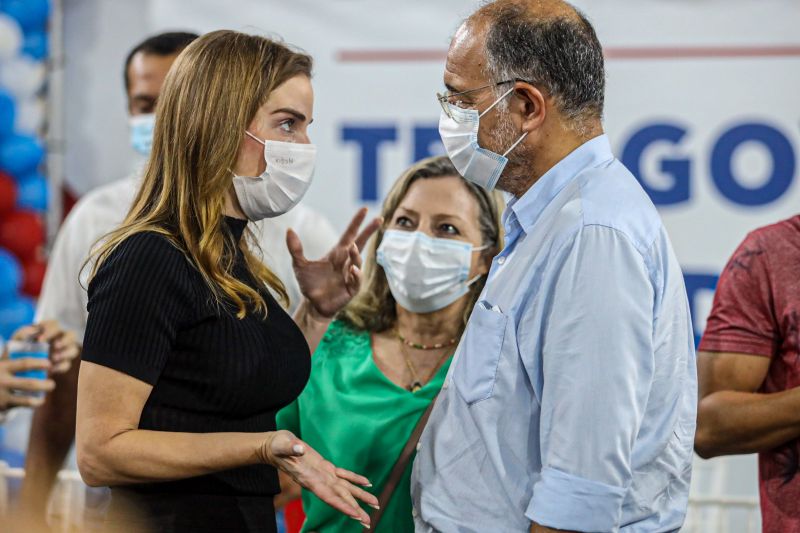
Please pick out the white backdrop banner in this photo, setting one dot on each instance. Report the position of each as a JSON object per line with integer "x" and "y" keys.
{"x": 702, "y": 103}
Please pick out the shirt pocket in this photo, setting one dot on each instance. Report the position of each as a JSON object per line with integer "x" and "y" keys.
{"x": 475, "y": 372}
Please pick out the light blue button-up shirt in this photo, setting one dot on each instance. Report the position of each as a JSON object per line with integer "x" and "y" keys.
{"x": 572, "y": 398}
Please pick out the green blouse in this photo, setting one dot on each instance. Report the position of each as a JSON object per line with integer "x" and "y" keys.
{"x": 353, "y": 415}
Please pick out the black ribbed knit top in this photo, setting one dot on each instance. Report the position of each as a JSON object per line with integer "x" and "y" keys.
{"x": 152, "y": 316}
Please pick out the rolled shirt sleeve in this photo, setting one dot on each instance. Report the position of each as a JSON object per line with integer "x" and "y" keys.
{"x": 598, "y": 362}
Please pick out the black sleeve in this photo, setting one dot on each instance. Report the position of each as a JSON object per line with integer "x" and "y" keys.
{"x": 138, "y": 299}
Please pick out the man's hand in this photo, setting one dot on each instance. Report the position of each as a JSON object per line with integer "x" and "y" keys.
{"x": 64, "y": 348}
{"x": 9, "y": 382}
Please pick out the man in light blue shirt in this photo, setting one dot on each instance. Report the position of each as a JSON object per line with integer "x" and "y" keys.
{"x": 571, "y": 401}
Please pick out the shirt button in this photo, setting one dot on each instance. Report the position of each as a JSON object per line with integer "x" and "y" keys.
{"x": 419, "y": 446}
{"x": 501, "y": 260}
{"x": 445, "y": 384}
{"x": 414, "y": 512}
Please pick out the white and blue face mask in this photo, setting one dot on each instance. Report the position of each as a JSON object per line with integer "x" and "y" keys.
{"x": 459, "y": 132}
{"x": 425, "y": 274}
{"x": 141, "y": 131}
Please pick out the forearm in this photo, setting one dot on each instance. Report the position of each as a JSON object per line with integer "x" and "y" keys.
{"x": 51, "y": 436}
{"x": 732, "y": 422}
{"x": 137, "y": 456}
{"x": 311, "y": 323}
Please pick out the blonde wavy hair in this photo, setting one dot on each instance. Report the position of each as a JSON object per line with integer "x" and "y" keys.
{"x": 209, "y": 98}
{"x": 374, "y": 309}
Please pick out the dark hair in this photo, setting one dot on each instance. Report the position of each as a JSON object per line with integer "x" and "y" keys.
{"x": 163, "y": 44}
{"x": 560, "y": 54}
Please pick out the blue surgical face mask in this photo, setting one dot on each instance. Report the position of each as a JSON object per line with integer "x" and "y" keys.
{"x": 141, "y": 130}
{"x": 459, "y": 132}
{"x": 425, "y": 274}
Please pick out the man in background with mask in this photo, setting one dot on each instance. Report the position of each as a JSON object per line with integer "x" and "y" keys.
{"x": 571, "y": 401}
{"x": 64, "y": 298}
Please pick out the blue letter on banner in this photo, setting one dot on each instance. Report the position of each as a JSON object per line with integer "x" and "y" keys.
{"x": 677, "y": 168}
{"x": 369, "y": 137}
{"x": 783, "y": 164}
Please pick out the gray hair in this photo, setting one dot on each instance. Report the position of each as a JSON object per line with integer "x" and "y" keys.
{"x": 561, "y": 55}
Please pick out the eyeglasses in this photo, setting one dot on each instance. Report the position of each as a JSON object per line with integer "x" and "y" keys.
{"x": 445, "y": 100}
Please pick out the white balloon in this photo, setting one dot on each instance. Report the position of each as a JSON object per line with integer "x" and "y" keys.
{"x": 10, "y": 37}
{"x": 22, "y": 76}
{"x": 30, "y": 116}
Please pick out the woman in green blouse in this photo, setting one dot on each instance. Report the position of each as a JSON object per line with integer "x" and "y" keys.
{"x": 382, "y": 360}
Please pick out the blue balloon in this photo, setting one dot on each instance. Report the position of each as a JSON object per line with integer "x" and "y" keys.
{"x": 15, "y": 313}
{"x": 10, "y": 276}
{"x": 20, "y": 154}
{"x": 36, "y": 45}
{"x": 32, "y": 192}
{"x": 32, "y": 15}
{"x": 7, "y": 114}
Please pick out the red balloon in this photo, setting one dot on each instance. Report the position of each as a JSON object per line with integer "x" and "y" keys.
{"x": 33, "y": 276}
{"x": 8, "y": 193}
{"x": 21, "y": 233}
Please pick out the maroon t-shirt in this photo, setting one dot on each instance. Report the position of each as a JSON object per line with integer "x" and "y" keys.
{"x": 757, "y": 311}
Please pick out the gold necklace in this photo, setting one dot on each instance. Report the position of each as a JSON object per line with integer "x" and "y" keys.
{"x": 417, "y": 384}
{"x": 420, "y": 346}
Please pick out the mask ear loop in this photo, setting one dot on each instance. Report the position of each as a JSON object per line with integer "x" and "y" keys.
{"x": 255, "y": 138}
{"x": 479, "y": 276}
{"x": 497, "y": 102}
{"x": 515, "y": 144}
{"x": 492, "y": 107}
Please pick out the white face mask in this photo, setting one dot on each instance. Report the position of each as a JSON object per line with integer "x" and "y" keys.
{"x": 460, "y": 137}
{"x": 290, "y": 169}
{"x": 425, "y": 274}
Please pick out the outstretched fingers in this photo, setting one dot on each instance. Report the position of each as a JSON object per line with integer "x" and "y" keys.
{"x": 295, "y": 247}
{"x": 338, "y": 497}
{"x": 367, "y": 232}
{"x": 352, "y": 477}
{"x": 351, "y": 232}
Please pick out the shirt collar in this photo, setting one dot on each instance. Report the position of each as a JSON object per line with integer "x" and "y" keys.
{"x": 523, "y": 212}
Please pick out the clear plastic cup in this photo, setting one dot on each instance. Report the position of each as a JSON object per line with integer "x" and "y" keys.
{"x": 19, "y": 349}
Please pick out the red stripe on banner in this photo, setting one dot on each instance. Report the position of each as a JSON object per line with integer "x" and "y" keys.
{"x": 613, "y": 54}
{"x": 383, "y": 56}
{"x": 702, "y": 52}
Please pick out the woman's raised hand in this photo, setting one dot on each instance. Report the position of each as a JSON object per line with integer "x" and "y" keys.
{"x": 337, "y": 487}
{"x": 331, "y": 282}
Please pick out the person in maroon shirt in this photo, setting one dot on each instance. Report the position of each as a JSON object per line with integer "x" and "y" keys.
{"x": 749, "y": 368}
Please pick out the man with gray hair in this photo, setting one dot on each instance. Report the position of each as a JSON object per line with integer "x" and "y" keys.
{"x": 571, "y": 401}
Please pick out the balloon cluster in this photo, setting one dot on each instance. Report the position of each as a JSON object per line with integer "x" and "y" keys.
{"x": 23, "y": 190}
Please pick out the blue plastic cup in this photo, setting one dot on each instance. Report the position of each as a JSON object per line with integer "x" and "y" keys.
{"x": 20, "y": 349}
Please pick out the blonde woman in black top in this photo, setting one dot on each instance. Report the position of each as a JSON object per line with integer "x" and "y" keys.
{"x": 187, "y": 355}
